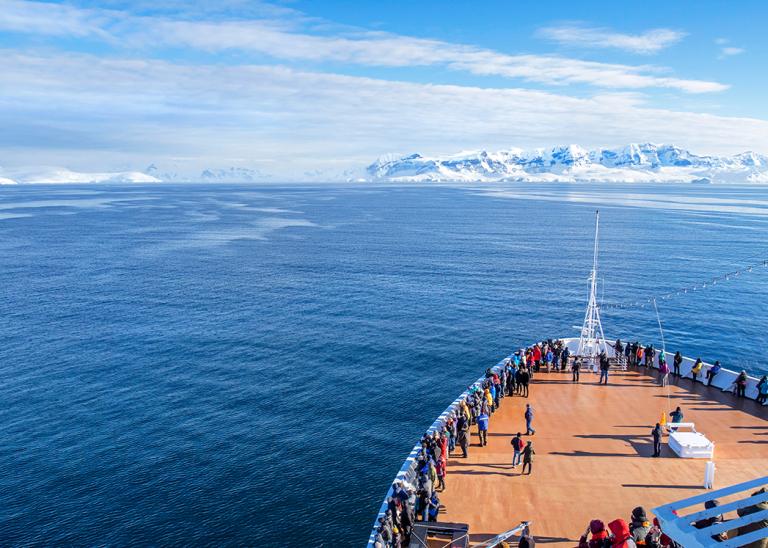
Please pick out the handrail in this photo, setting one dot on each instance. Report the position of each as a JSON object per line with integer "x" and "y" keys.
{"x": 407, "y": 471}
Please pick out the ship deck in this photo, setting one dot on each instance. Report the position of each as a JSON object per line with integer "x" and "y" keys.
{"x": 593, "y": 455}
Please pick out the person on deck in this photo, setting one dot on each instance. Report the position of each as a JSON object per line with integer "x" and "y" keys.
{"x": 576, "y": 368}
{"x": 528, "y": 453}
{"x": 618, "y": 350}
{"x": 511, "y": 384}
{"x": 628, "y": 354}
{"x": 462, "y": 436}
{"x": 713, "y": 371}
{"x": 434, "y": 507}
{"x": 564, "y": 358}
{"x": 440, "y": 470}
{"x": 657, "y": 433}
{"x": 529, "y": 430}
{"x": 639, "y": 526}
{"x": 650, "y": 353}
{"x": 526, "y": 539}
{"x": 536, "y": 357}
{"x": 599, "y": 535}
{"x": 525, "y": 378}
{"x": 639, "y": 355}
{"x": 482, "y": 429}
{"x": 549, "y": 358}
{"x": 517, "y": 447}
{"x": 696, "y": 369}
{"x": 605, "y": 364}
{"x": 741, "y": 384}
{"x": 663, "y": 369}
{"x": 676, "y": 364}
{"x": 708, "y": 522}
{"x": 558, "y": 353}
{"x": 762, "y": 390}
{"x": 621, "y": 537}
{"x": 676, "y": 416}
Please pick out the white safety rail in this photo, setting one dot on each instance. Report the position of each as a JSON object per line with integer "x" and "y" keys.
{"x": 677, "y": 522}
{"x": 408, "y": 469}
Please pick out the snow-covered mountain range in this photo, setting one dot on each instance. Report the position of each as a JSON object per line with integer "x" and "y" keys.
{"x": 633, "y": 163}
{"x": 152, "y": 174}
{"x": 645, "y": 162}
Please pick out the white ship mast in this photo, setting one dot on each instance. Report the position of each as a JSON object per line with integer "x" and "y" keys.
{"x": 592, "y": 339}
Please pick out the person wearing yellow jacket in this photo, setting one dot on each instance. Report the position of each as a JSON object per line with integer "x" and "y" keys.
{"x": 696, "y": 369}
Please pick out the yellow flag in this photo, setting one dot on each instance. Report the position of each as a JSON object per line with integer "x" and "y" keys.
{"x": 663, "y": 420}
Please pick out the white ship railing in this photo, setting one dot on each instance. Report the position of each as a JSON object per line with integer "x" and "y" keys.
{"x": 723, "y": 380}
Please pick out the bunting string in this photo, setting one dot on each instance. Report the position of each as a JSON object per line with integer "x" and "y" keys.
{"x": 693, "y": 288}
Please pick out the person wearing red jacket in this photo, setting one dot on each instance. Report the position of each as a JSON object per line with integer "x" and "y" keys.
{"x": 536, "y": 357}
{"x": 621, "y": 537}
{"x": 599, "y": 535}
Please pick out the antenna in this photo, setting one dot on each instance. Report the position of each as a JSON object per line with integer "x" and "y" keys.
{"x": 592, "y": 339}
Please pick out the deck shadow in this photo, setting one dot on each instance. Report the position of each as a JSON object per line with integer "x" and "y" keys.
{"x": 485, "y": 473}
{"x": 638, "y": 442}
{"x": 610, "y": 384}
{"x": 591, "y": 454}
{"x": 710, "y": 393}
{"x": 649, "y": 486}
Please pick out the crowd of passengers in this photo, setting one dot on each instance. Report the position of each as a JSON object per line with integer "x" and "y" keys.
{"x": 640, "y": 531}
{"x": 420, "y": 501}
{"x": 636, "y": 355}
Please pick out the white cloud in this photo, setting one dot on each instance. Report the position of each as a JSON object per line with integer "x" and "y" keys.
{"x": 302, "y": 120}
{"x": 730, "y": 51}
{"x": 279, "y": 40}
{"x": 52, "y": 19}
{"x": 651, "y": 41}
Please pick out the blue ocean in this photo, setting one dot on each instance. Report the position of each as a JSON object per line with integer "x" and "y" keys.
{"x": 249, "y": 365}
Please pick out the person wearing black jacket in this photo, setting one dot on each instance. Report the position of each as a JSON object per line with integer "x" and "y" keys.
{"x": 656, "y": 433}
{"x": 650, "y": 353}
{"x": 604, "y": 366}
{"x": 676, "y": 364}
{"x": 525, "y": 378}
{"x": 618, "y": 350}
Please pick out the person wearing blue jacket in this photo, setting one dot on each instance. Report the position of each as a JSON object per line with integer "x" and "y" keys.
{"x": 714, "y": 370}
{"x": 482, "y": 428}
{"x": 529, "y": 430}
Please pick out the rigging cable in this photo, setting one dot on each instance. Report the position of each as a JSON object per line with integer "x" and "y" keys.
{"x": 664, "y": 379}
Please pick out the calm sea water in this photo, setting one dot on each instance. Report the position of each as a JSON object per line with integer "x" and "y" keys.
{"x": 233, "y": 365}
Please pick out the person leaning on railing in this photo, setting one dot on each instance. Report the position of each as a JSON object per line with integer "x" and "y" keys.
{"x": 762, "y": 390}
{"x": 713, "y": 371}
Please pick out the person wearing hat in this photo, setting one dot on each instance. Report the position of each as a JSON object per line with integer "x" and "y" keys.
{"x": 639, "y": 526}
{"x": 528, "y": 453}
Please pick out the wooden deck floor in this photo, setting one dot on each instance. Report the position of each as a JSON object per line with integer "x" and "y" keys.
{"x": 593, "y": 450}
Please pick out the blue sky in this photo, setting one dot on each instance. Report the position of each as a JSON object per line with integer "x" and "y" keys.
{"x": 288, "y": 87}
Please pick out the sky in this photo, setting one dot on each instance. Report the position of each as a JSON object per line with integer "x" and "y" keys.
{"x": 299, "y": 88}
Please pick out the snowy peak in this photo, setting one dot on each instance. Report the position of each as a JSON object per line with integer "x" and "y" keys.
{"x": 57, "y": 175}
{"x": 633, "y": 162}
{"x": 231, "y": 175}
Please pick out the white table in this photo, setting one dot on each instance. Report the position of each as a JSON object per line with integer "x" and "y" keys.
{"x": 689, "y": 444}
